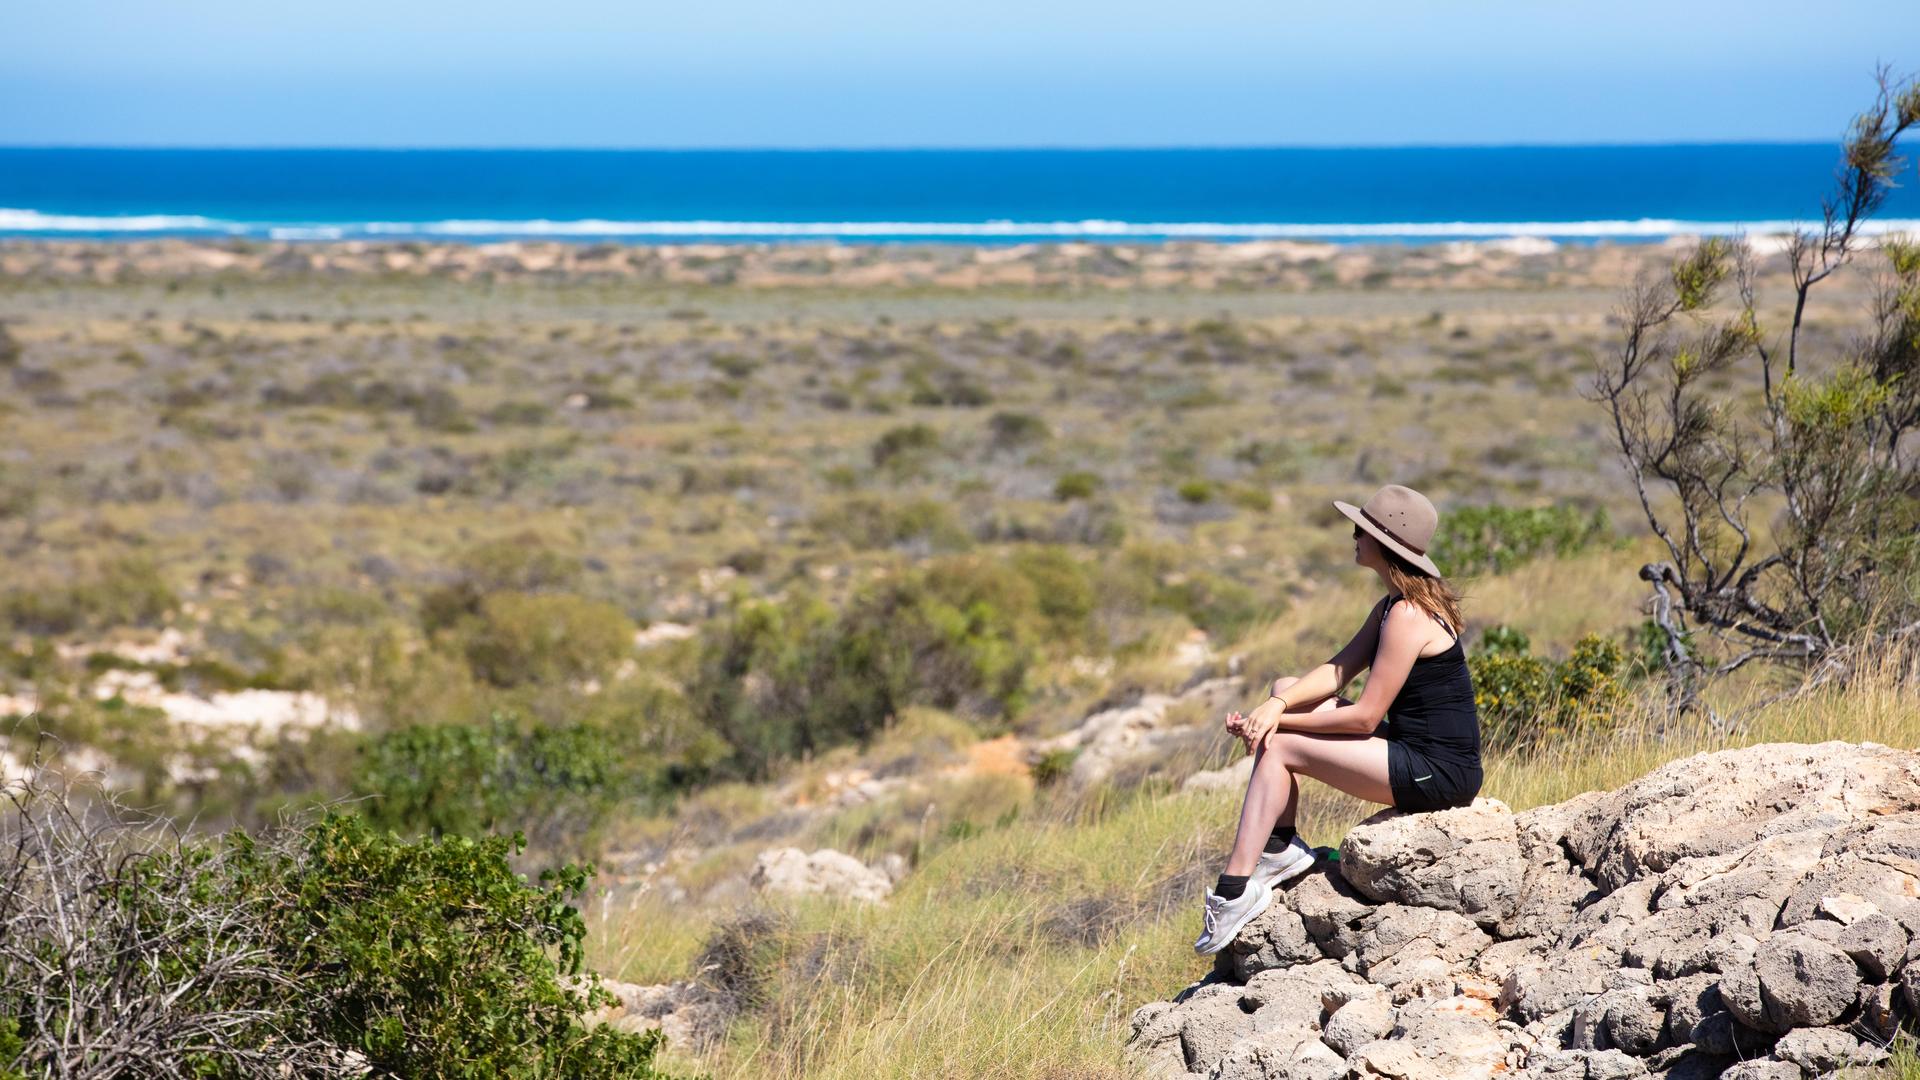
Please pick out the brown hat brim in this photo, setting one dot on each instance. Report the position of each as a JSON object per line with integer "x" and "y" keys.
{"x": 1398, "y": 548}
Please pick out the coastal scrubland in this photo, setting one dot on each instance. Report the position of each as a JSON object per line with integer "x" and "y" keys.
{"x": 666, "y": 557}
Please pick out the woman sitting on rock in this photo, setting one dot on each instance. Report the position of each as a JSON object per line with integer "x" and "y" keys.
{"x": 1412, "y": 741}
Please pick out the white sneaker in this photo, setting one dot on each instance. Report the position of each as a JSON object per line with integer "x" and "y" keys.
{"x": 1286, "y": 864}
{"x": 1223, "y": 919}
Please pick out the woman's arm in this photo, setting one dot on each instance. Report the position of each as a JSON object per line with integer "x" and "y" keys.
{"x": 1315, "y": 686}
{"x": 1326, "y": 680}
{"x": 1400, "y": 640}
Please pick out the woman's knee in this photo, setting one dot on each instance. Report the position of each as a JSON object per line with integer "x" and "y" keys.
{"x": 1287, "y": 748}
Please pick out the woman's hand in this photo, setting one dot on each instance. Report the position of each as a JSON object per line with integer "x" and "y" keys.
{"x": 1257, "y": 725}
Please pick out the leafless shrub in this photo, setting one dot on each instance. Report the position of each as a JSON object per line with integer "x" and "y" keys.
{"x": 1831, "y": 448}
{"x": 119, "y": 959}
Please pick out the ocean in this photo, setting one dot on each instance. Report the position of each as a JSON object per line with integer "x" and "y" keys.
{"x": 1592, "y": 193}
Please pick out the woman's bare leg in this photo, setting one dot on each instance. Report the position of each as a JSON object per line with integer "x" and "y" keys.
{"x": 1356, "y": 764}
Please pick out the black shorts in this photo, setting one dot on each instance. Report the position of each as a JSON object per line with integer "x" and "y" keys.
{"x": 1423, "y": 783}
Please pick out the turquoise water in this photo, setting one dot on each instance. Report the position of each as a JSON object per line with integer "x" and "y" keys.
{"x": 1565, "y": 193}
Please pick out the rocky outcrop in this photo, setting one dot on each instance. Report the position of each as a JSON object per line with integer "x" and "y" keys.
{"x": 1143, "y": 730}
{"x": 688, "y": 1013}
{"x": 1747, "y": 913}
{"x": 824, "y": 872}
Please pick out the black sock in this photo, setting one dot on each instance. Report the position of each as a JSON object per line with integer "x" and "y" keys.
{"x": 1282, "y": 836}
{"x": 1230, "y": 886}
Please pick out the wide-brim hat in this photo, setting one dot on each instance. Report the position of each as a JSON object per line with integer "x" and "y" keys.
{"x": 1402, "y": 519}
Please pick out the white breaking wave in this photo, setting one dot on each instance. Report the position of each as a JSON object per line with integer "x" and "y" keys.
{"x": 1096, "y": 228}
{"x": 34, "y": 221}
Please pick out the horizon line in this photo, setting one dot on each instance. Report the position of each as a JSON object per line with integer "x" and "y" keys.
{"x": 905, "y": 149}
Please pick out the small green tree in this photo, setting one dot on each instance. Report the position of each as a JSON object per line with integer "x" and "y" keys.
{"x": 554, "y": 782}
{"x": 1828, "y": 445}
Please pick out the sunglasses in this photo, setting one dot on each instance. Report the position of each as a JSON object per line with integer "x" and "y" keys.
{"x": 1356, "y": 532}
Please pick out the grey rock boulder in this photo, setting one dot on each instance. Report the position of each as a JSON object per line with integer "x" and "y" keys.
{"x": 824, "y": 872}
{"x": 1721, "y": 802}
{"x": 1465, "y": 859}
{"x": 1358, "y": 1023}
{"x": 1819, "y": 1051}
{"x": 1795, "y": 980}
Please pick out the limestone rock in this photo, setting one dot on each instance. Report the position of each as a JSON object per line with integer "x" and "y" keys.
{"x": 1762, "y": 1069}
{"x": 1466, "y": 860}
{"x": 1824, "y": 1050}
{"x": 1359, "y": 1022}
{"x": 1753, "y": 913}
{"x": 1399, "y": 944}
{"x": 1435, "y": 1039}
{"x": 1276, "y": 939}
{"x": 1286, "y": 1053}
{"x": 1331, "y": 910}
{"x": 1721, "y": 802}
{"x": 1155, "y": 1047}
{"x": 1795, "y": 980}
{"x": 1584, "y": 1065}
{"x": 823, "y": 872}
{"x": 1212, "y": 1021}
{"x": 1233, "y": 777}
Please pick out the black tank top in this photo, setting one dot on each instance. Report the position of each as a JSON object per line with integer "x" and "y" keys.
{"x": 1434, "y": 711}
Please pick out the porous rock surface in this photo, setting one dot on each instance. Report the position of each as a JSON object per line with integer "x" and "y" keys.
{"x": 823, "y": 872}
{"x": 1750, "y": 913}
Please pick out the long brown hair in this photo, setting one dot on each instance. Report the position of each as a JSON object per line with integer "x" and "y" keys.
{"x": 1430, "y": 593}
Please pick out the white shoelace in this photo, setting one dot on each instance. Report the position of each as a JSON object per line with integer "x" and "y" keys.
{"x": 1210, "y": 913}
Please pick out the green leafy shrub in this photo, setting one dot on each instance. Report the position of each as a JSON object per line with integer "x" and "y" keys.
{"x": 945, "y": 386}
{"x": 1075, "y": 485}
{"x": 318, "y": 948}
{"x": 1053, "y": 767}
{"x": 1503, "y": 640}
{"x": 1525, "y": 700}
{"x": 435, "y": 959}
{"x": 868, "y": 523}
{"x": 1221, "y": 606}
{"x": 1012, "y": 430}
{"x": 904, "y": 441}
{"x": 554, "y": 782}
{"x": 517, "y": 639}
{"x": 1495, "y": 539}
{"x": 783, "y": 680}
{"x": 124, "y": 592}
{"x": 1196, "y": 491}
{"x": 1063, "y": 590}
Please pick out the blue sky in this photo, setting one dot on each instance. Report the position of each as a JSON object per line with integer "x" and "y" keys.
{"x": 899, "y": 73}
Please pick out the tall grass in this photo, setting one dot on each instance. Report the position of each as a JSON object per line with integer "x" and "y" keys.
{"x": 1022, "y": 951}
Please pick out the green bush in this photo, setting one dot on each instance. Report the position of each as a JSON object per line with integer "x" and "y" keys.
{"x": 555, "y": 782}
{"x": 779, "y": 681}
{"x": 1013, "y": 430}
{"x": 904, "y": 441}
{"x": 1495, "y": 539}
{"x": 1075, "y": 485}
{"x": 435, "y": 959}
{"x": 517, "y": 639}
{"x": 867, "y": 523}
{"x": 1503, "y": 640}
{"x": 1053, "y": 767}
{"x": 1221, "y": 606}
{"x": 1063, "y": 589}
{"x": 1525, "y": 700}
{"x": 293, "y": 952}
{"x": 125, "y": 592}
{"x": 945, "y": 386}
{"x": 523, "y": 562}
